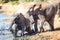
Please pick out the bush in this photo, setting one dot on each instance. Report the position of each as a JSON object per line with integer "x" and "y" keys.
{"x": 5, "y": 1}
{"x": 18, "y": 1}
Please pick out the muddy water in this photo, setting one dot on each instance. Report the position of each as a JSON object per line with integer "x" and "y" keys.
{"x": 5, "y": 34}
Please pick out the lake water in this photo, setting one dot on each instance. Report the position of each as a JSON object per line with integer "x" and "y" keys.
{"x": 5, "y": 21}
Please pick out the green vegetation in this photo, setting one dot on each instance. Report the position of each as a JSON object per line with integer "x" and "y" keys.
{"x": 19, "y": 1}
{"x": 6, "y": 1}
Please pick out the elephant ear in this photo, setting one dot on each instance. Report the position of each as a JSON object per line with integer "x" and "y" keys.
{"x": 31, "y": 10}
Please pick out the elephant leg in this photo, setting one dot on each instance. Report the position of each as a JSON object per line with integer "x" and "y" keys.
{"x": 35, "y": 26}
{"x": 51, "y": 22}
{"x": 22, "y": 34}
{"x": 40, "y": 24}
{"x": 12, "y": 30}
{"x": 15, "y": 32}
{"x": 52, "y": 27}
{"x": 28, "y": 29}
{"x": 41, "y": 28}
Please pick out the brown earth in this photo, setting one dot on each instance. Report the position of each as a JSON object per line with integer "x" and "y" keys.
{"x": 8, "y": 8}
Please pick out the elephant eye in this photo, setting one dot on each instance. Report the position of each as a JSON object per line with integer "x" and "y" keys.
{"x": 30, "y": 10}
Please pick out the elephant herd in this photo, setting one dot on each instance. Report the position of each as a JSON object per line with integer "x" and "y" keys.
{"x": 31, "y": 17}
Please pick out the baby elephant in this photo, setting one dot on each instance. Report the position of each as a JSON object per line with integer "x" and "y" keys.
{"x": 21, "y": 23}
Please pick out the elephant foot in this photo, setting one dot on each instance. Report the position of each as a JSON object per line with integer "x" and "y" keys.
{"x": 41, "y": 30}
{"x": 52, "y": 28}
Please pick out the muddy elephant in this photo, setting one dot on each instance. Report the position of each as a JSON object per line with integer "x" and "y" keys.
{"x": 22, "y": 24}
{"x": 37, "y": 16}
{"x": 48, "y": 12}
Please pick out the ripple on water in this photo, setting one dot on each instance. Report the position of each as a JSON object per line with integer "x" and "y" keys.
{"x": 5, "y": 24}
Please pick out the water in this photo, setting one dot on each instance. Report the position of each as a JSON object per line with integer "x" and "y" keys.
{"x": 5, "y": 21}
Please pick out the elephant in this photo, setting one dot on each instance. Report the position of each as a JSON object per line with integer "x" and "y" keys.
{"x": 37, "y": 17}
{"x": 46, "y": 11}
{"x": 22, "y": 24}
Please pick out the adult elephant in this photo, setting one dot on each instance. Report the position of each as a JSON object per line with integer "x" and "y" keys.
{"x": 38, "y": 17}
{"x": 47, "y": 10}
{"x": 50, "y": 10}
